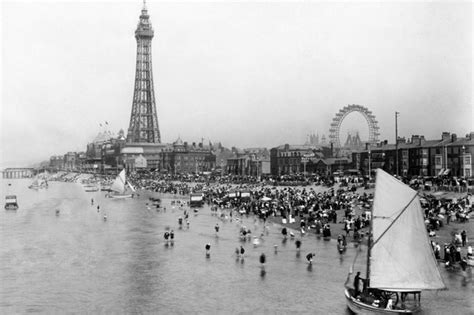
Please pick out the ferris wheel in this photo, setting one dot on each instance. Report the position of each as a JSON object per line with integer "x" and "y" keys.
{"x": 346, "y": 110}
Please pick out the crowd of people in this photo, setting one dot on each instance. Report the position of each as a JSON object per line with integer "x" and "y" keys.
{"x": 327, "y": 201}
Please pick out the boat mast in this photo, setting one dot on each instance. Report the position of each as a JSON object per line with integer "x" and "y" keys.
{"x": 369, "y": 248}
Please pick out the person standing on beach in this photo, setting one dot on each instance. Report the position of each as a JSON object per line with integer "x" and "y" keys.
{"x": 463, "y": 237}
{"x": 309, "y": 257}
{"x": 298, "y": 245}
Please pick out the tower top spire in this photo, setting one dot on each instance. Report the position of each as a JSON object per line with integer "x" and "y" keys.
{"x": 144, "y": 29}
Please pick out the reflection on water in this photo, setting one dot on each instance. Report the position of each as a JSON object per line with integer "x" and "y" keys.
{"x": 76, "y": 261}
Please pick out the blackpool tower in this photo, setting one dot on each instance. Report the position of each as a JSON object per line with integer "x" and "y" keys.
{"x": 143, "y": 126}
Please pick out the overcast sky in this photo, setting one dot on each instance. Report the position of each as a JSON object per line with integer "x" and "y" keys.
{"x": 244, "y": 73}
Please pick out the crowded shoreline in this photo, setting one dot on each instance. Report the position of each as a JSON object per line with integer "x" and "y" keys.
{"x": 339, "y": 207}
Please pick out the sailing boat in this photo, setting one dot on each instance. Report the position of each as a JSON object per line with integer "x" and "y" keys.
{"x": 121, "y": 188}
{"x": 38, "y": 183}
{"x": 399, "y": 256}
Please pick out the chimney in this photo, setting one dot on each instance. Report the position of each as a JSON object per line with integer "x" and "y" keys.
{"x": 470, "y": 136}
{"x": 445, "y": 136}
{"x": 287, "y": 147}
{"x": 453, "y": 137}
{"x": 194, "y": 144}
{"x": 422, "y": 140}
{"x": 385, "y": 142}
{"x": 401, "y": 140}
{"x": 200, "y": 145}
{"x": 415, "y": 139}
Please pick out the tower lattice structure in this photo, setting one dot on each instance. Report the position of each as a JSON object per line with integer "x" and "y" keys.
{"x": 143, "y": 119}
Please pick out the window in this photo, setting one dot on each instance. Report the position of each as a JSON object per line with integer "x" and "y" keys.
{"x": 467, "y": 172}
{"x": 424, "y": 161}
{"x": 467, "y": 159}
{"x": 438, "y": 160}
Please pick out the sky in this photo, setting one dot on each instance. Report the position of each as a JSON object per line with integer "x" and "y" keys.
{"x": 246, "y": 74}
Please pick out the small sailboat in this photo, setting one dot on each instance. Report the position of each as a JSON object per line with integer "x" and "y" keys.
{"x": 91, "y": 187}
{"x": 120, "y": 188}
{"x": 38, "y": 183}
{"x": 400, "y": 260}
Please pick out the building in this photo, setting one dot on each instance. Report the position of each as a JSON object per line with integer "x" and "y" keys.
{"x": 70, "y": 161}
{"x": 56, "y": 162}
{"x": 449, "y": 155}
{"x": 132, "y": 155}
{"x": 183, "y": 158}
{"x": 296, "y": 159}
{"x": 249, "y": 162}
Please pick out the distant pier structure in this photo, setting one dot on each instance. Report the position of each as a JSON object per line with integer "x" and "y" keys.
{"x": 18, "y": 172}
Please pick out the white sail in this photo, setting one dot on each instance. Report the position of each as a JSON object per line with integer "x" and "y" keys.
{"x": 119, "y": 184}
{"x": 401, "y": 256}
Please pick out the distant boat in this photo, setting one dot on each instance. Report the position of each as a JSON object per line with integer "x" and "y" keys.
{"x": 91, "y": 187}
{"x": 39, "y": 183}
{"x": 120, "y": 188}
{"x": 11, "y": 202}
{"x": 399, "y": 256}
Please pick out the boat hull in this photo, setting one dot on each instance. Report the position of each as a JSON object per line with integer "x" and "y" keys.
{"x": 91, "y": 189}
{"x": 358, "y": 307}
{"x": 121, "y": 196}
{"x": 11, "y": 207}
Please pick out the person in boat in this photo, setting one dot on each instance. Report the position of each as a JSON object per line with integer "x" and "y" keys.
{"x": 180, "y": 221}
{"x": 166, "y": 235}
{"x": 172, "y": 235}
{"x": 208, "y": 249}
{"x": 216, "y": 228}
{"x": 389, "y": 304}
{"x": 357, "y": 279}
{"x": 242, "y": 251}
{"x": 98, "y": 208}
{"x": 284, "y": 232}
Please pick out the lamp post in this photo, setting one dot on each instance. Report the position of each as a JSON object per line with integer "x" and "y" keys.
{"x": 369, "y": 164}
{"x": 463, "y": 161}
{"x": 396, "y": 141}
